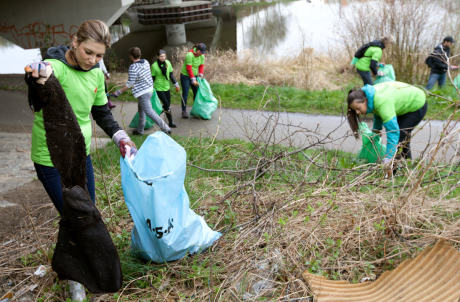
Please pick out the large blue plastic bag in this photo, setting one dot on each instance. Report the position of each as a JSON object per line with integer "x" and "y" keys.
{"x": 165, "y": 228}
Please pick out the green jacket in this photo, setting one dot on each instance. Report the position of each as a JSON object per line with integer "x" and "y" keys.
{"x": 372, "y": 53}
{"x": 389, "y": 100}
{"x": 161, "y": 82}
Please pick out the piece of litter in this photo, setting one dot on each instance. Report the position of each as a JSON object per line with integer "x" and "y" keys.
{"x": 41, "y": 271}
{"x": 6, "y": 297}
{"x": 432, "y": 276}
{"x": 7, "y": 242}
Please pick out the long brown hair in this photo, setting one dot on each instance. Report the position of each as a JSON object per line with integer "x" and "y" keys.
{"x": 355, "y": 94}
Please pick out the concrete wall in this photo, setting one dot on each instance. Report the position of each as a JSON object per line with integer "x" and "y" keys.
{"x": 33, "y": 24}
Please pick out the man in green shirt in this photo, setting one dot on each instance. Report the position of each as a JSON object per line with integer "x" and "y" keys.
{"x": 193, "y": 65}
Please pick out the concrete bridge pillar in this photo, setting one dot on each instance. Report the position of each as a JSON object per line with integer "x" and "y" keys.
{"x": 175, "y": 34}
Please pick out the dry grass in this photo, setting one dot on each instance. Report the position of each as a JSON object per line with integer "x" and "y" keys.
{"x": 306, "y": 71}
{"x": 339, "y": 232}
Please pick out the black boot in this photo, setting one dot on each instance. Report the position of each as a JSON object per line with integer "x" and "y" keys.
{"x": 169, "y": 117}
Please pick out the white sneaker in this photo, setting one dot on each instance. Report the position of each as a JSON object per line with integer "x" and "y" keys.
{"x": 77, "y": 291}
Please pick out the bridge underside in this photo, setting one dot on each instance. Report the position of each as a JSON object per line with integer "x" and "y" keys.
{"x": 37, "y": 24}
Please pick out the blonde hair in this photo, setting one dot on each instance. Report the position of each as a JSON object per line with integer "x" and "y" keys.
{"x": 95, "y": 30}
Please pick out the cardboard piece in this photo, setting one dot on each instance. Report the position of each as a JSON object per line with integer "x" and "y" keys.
{"x": 433, "y": 276}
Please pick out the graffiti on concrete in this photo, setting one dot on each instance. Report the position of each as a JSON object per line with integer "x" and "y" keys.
{"x": 38, "y": 34}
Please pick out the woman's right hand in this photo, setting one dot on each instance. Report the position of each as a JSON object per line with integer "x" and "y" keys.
{"x": 40, "y": 70}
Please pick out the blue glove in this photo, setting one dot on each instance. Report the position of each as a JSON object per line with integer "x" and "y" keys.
{"x": 116, "y": 93}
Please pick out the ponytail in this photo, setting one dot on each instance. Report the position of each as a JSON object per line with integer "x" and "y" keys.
{"x": 355, "y": 94}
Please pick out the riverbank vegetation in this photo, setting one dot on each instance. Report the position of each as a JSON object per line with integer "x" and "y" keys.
{"x": 291, "y": 99}
{"x": 281, "y": 209}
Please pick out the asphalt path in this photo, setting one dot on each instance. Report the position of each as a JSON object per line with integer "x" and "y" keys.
{"x": 290, "y": 129}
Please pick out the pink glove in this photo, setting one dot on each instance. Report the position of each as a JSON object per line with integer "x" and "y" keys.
{"x": 126, "y": 145}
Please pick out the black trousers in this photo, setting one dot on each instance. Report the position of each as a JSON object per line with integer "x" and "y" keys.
{"x": 407, "y": 123}
{"x": 165, "y": 98}
{"x": 366, "y": 76}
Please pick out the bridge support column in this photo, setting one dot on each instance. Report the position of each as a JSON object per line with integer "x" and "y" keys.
{"x": 175, "y": 34}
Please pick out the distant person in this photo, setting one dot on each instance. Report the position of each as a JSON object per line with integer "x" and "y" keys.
{"x": 107, "y": 77}
{"x": 438, "y": 63}
{"x": 193, "y": 66}
{"x": 367, "y": 58}
{"x": 162, "y": 73}
{"x": 140, "y": 80}
{"x": 77, "y": 71}
{"x": 398, "y": 106}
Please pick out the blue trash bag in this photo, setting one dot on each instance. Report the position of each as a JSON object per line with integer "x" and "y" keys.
{"x": 165, "y": 228}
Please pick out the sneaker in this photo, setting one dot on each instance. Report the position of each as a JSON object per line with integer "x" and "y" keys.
{"x": 172, "y": 125}
{"x": 77, "y": 291}
{"x": 185, "y": 114}
{"x": 135, "y": 132}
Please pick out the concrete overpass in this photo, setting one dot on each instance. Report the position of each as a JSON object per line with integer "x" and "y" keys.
{"x": 38, "y": 24}
{"x": 53, "y": 22}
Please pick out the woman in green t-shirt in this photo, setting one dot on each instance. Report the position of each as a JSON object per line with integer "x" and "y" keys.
{"x": 77, "y": 70}
{"x": 162, "y": 73}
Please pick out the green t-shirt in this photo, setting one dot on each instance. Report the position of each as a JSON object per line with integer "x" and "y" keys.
{"x": 83, "y": 89}
{"x": 161, "y": 82}
{"x": 190, "y": 59}
{"x": 372, "y": 53}
{"x": 396, "y": 98}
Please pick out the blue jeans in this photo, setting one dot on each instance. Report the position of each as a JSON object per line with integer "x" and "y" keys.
{"x": 186, "y": 82}
{"x": 436, "y": 77}
{"x": 366, "y": 76}
{"x": 51, "y": 180}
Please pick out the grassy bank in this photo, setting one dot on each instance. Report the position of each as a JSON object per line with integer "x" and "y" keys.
{"x": 281, "y": 211}
{"x": 290, "y": 99}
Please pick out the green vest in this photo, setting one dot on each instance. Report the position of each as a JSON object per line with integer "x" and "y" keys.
{"x": 393, "y": 99}
{"x": 83, "y": 89}
{"x": 372, "y": 53}
{"x": 190, "y": 59}
{"x": 161, "y": 82}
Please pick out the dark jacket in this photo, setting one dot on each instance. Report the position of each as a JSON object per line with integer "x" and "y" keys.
{"x": 101, "y": 114}
{"x": 438, "y": 59}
